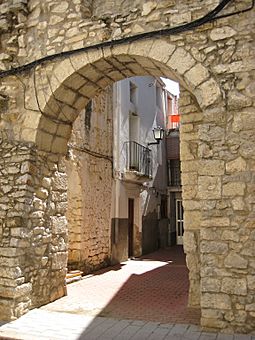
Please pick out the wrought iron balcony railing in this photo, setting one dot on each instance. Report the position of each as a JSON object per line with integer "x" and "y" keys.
{"x": 138, "y": 159}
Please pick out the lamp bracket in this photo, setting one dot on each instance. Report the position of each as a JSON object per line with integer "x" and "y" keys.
{"x": 153, "y": 143}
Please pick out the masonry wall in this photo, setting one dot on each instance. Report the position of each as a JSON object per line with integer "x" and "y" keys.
{"x": 33, "y": 233}
{"x": 214, "y": 63}
{"x": 89, "y": 172}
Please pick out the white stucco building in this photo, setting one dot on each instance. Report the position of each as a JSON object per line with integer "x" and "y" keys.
{"x": 140, "y": 172}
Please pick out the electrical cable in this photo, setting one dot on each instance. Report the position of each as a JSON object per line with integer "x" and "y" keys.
{"x": 209, "y": 17}
{"x": 90, "y": 152}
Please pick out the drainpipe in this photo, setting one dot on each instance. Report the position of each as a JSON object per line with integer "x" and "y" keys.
{"x": 116, "y": 153}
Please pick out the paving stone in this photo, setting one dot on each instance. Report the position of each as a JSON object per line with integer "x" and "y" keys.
{"x": 179, "y": 329}
{"x": 225, "y": 337}
{"x": 208, "y": 336}
{"x": 128, "y": 332}
{"x": 159, "y": 333}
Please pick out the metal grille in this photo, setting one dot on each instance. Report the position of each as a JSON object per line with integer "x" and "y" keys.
{"x": 138, "y": 158}
{"x": 174, "y": 172}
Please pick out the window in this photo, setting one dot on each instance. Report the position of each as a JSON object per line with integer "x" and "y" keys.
{"x": 88, "y": 112}
{"x": 133, "y": 93}
{"x": 134, "y": 127}
{"x": 174, "y": 172}
{"x": 158, "y": 97}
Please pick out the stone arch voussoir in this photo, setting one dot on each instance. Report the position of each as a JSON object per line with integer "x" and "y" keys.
{"x": 72, "y": 82}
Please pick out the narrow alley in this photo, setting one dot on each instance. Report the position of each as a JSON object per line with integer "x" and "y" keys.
{"x": 151, "y": 288}
{"x": 144, "y": 298}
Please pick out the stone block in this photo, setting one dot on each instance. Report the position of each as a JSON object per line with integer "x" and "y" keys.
{"x": 215, "y": 301}
{"x": 211, "y": 168}
{"x": 65, "y": 95}
{"x": 140, "y": 48}
{"x": 16, "y": 292}
{"x": 189, "y": 242}
{"x": 59, "y": 224}
{"x": 233, "y": 189}
{"x": 75, "y": 81}
{"x": 187, "y": 151}
{"x": 216, "y": 222}
{"x": 209, "y": 284}
{"x": 251, "y": 282}
{"x": 59, "y": 145}
{"x": 213, "y": 247}
{"x": 59, "y": 181}
{"x": 59, "y": 261}
{"x": 234, "y": 286}
{"x": 161, "y": 51}
{"x": 42, "y": 193}
{"x": 244, "y": 120}
{"x": 236, "y": 165}
{"x": 208, "y": 93}
{"x": 250, "y": 307}
{"x": 209, "y": 187}
{"x": 44, "y": 140}
{"x": 181, "y": 60}
{"x": 230, "y": 235}
{"x": 192, "y": 219}
{"x": 221, "y": 33}
{"x": 238, "y": 203}
{"x": 237, "y": 100}
{"x": 196, "y": 75}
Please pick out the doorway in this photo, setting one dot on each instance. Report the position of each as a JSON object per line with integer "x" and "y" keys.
{"x": 130, "y": 227}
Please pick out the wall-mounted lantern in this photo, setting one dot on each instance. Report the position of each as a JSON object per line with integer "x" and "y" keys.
{"x": 158, "y": 134}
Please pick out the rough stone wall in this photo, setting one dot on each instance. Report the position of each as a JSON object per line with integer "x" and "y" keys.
{"x": 191, "y": 119}
{"x": 33, "y": 232}
{"x": 214, "y": 62}
{"x": 89, "y": 174}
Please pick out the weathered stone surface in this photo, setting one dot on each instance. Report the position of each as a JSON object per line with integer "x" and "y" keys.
{"x": 215, "y": 66}
{"x": 216, "y": 301}
{"x": 211, "y": 168}
{"x": 234, "y": 286}
{"x": 212, "y": 247}
{"x": 237, "y": 100}
{"x": 208, "y": 93}
{"x": 181, "y": 61}
{"x": 236, "y": 165}
{"x": 59, "y": 224}
{"x": 233, "y": 189}
{"x": 209, "y": 187}
{"x": 222, "y": 33}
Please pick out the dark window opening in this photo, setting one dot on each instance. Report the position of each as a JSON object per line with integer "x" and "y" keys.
{"x": 88, "y": 112}
{"x": 163, "y": 206}
{"x": 174, "y": 172}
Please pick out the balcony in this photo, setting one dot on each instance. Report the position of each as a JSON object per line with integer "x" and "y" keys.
{"x": 138, "y": 163}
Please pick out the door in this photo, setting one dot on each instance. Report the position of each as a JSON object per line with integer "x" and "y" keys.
{"x": 179, "y": 222}
{"x": 130, "y": 227}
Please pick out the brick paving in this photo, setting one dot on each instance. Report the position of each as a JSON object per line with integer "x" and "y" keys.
{"x": 151, "y": 288}
{"x": 145, "y": 298}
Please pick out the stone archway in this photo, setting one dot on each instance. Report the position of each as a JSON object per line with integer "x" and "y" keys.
{"x": 62, "y": 90}
{"x": 217, "y": 152}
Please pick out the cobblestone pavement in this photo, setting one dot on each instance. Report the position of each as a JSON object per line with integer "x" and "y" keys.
{"x": 140, "y": 299}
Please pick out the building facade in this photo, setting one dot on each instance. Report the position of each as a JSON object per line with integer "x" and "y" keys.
{"x": 55, "y": 57}
{"x": 139, "y": 168}
{"x": 116, "y": 181}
